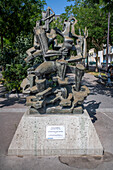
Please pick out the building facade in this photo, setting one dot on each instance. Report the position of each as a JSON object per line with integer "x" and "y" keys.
{"x": 101, "y": 56}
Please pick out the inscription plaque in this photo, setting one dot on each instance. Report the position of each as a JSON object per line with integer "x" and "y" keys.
{"x": 55, "y": 132}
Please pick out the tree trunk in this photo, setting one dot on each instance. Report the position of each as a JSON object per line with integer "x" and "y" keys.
{"x": 2, "y": 48}
{"x": 1, "y": 42}
{"x": 87, "y": 66}
{"x": 96, "y": 70}
{"x": 107, "y": 42}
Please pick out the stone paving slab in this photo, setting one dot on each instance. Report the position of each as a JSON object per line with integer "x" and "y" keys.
{"x": 13, "y": 110}
{"x": 100, "y": 97}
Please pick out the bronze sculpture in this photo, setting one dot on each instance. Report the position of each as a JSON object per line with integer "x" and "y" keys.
{"x": 55, "y": 86}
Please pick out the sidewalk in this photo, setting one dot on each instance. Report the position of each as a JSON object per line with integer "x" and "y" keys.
{"x": 99, "y": 105}
{"x": 11, "y": 104}
{"x": 101, "y": 97}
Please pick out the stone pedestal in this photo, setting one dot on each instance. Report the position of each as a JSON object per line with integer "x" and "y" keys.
{"x": 55, "y": 135}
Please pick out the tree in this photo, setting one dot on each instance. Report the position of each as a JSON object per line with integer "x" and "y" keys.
{"x": 18, "y": 16}
{"x": 107, "y": 6}
{"x": 90, "y": 13}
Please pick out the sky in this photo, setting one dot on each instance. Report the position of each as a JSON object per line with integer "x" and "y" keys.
{"x": 58, "y": 6}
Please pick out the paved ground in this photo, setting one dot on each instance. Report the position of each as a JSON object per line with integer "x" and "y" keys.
{"x": 99, "y": 105}
{"x": 101, "y": 97}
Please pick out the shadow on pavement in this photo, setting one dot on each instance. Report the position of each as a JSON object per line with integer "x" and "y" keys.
{"x": 97, "y": 88}
{"x": 11, "y": 101}
{"x": 91, "y": 107}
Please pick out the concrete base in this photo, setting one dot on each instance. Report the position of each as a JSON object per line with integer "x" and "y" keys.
{"x": 78, "y": 136}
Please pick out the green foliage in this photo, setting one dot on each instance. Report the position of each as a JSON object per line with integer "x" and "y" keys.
{"x": 22, "y": 44}
{"x": 17, "y": 18}
{"x": 91, "y": 14}
{"x": 12, "y": 58}
{"x": 13, "y": 76}
{"x": 37, "y": 60}
{"x": 7, "y": 56}
{"x": 16, "y": 52}
{"x": 19, "y": 15}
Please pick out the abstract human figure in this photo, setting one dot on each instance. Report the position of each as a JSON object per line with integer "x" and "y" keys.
{"x": 79, "y": 38}
{"x": 49, "y": 85}
{"x": 43, "y": 41}
{"x": 79, "y": 72}
{"x": 35, "y": 51}
{"x": 85, "y": 43}
{"x": 47, "y": 17}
